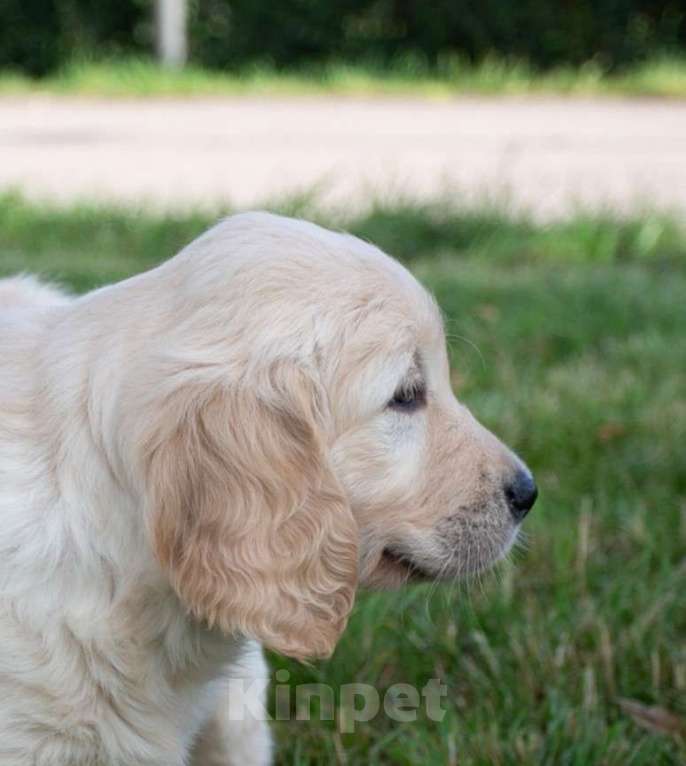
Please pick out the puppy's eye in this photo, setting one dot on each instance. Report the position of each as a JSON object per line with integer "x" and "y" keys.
{"x": 408, "y": 398}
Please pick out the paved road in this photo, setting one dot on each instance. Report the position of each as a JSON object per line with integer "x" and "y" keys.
{"x": 548, "y": 155}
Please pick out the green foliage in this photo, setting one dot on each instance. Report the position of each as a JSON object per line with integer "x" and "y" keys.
{"x": 567, "y": 340}
{"x": 37, "y": 36}
{"x": 131, "y": 77}
{"x": 25, "y": 44}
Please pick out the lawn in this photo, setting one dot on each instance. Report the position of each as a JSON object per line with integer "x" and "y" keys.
{"x": 659, "y": 77}
{"x": 568, "y": 341}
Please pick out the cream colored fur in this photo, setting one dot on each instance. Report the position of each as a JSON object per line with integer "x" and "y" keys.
{"x": 202, "y": 459}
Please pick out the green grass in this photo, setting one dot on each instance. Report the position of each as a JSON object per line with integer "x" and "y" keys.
{"x": 568, "y": 341}
{"x": 662, "y": 77}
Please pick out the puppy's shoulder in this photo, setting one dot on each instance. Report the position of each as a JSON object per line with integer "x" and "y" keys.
{"x": 25, "y": 293}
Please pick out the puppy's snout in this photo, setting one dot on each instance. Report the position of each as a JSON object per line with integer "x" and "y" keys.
{"x": 521, "y": 493}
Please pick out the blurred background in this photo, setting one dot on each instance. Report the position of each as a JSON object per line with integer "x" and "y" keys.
{"x": 527, "y": 161}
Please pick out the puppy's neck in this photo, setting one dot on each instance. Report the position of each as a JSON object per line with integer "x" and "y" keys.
{"x": 77, "y": 511}
{"x": 81, "y": 368}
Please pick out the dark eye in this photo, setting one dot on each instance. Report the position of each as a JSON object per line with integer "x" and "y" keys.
{"x": 408, "y": 398}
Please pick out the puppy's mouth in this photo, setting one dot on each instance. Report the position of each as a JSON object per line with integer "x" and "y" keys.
{"x": 401, "y": 566}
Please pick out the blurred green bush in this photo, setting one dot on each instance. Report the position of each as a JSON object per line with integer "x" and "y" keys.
{"x": 37, "y": 36}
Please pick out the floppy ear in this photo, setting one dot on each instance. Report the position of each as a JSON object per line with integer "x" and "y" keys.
{"x": 246, "y": 515}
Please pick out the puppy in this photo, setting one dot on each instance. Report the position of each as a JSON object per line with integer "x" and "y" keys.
{"x": 210, "y": 457}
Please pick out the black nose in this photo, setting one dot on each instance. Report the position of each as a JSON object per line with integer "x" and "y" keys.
{"x": 521, "y": 494}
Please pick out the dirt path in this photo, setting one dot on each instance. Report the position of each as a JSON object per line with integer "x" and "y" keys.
{"x": 549, "y": 155}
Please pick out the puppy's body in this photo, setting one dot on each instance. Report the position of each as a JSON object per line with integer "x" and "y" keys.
{"x": 99, "y": 663}
{"x": 203, "y": 457}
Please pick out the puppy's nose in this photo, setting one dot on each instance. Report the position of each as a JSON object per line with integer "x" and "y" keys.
{"x": 521, "y": 493}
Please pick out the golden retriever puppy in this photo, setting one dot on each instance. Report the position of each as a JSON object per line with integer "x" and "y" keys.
{"x": 210, "y": 457}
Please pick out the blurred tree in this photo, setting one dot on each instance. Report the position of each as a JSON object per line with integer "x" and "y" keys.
{"x": 36, "y": 35}
{"x": 26, "y": 43}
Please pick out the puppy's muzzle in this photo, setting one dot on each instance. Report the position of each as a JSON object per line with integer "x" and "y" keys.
{"x": 521, "y": 493}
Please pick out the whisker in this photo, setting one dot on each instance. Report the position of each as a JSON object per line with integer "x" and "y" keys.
{"x": 455, "y": 337}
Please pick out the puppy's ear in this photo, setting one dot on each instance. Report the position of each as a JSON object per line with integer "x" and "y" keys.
{"x": 246, "y": 515}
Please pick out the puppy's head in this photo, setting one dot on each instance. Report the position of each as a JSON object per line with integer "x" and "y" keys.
{"x": 299, "y": 434}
